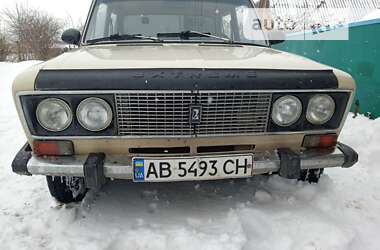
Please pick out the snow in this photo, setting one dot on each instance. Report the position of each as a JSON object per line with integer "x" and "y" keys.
{"x": 341, "y": 212}
{"x": 375, "y": 14}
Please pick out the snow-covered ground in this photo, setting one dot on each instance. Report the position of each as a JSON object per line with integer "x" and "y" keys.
{"x": 342, "y": 212}
{"x": 375, "y": 14}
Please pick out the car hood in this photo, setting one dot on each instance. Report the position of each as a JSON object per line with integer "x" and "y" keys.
{"x": 171, "y": 56}
{"x": 145, "y": 56}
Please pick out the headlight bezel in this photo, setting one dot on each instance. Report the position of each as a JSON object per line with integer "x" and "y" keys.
{"x": 297, "y": 114}
{"x": 96, "y": 100}
{"x": 308, "y": 111}
{"x": 29, "y": 101}
{"x": 342, "y": 100}
{"x": 63, "y": 104}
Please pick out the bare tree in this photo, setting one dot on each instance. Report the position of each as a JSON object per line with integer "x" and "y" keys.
{"x": 70, "y": 23}
{"x": 5, "y": 48}
{"x": 33, "y": 32}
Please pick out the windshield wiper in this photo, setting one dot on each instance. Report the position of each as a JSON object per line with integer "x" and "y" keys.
{"x": 124, "y": 37}
{"x": 192, "y": 33}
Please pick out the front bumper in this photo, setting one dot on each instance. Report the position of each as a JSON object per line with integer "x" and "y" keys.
{"x": 283, "y": 161}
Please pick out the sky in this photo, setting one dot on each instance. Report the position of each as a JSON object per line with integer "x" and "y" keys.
{"x": 76, "y": 9}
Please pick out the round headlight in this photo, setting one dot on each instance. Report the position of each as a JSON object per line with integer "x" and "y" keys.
{"x": 286, "y": 110}
{"x": 54, "y": 114}
{"x": 320, "y": 109}
{"x": 94, "y": 114}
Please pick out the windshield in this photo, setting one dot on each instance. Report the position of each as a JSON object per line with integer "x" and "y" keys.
{"x": 168, "y": 20}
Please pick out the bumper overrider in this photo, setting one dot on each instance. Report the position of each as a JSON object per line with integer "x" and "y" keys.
{"x": 96, "y": 167}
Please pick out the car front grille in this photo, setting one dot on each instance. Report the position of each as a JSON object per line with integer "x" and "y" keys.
{"x": 167, "y": 113}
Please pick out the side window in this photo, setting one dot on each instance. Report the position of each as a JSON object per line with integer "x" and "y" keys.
{"x": 104, "y": 24}
{"x": 100, "y": 21}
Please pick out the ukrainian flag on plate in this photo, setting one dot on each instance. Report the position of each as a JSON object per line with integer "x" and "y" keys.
{"x": 138, "y": 170}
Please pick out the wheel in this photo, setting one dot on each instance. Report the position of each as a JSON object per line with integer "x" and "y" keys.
{"x": 311, "y": 175}
{"x": 66, "y": 189}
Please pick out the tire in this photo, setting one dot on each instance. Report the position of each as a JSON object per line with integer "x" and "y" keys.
{"x": 66, "y": 189}
{"x": 311, "y": 175}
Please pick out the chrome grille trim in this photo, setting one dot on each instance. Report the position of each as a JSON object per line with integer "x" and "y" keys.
{"x": 166, "y": 114}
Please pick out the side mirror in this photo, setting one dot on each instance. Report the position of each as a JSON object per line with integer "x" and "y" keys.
{"x": 276, "y": 37}
{"x": 71, "y": 36}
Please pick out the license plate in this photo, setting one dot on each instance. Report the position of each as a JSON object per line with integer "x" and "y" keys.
{"x": 192, "y": 168}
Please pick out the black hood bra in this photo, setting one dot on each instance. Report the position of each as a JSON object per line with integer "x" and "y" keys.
{"x": 185, "y": 79}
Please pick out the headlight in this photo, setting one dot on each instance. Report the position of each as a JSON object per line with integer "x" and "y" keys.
{"x": 54, "y": 114}
{"x": 320, "y": 109}
{"x": 286, "y": 110}
{"x": 94, "y": 114}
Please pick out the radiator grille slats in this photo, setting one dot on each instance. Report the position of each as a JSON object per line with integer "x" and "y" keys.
{"x": 161, "y": 114}
{"x": 229, "y": 113}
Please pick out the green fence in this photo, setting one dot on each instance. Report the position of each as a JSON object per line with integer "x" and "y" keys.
{"x": 359, "y": 56}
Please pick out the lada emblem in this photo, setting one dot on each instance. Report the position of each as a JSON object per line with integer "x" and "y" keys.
{"x": 195, "y": 114}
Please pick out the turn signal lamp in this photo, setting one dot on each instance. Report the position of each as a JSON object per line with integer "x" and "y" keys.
{"x": 320, "y": 141}
{"x": 53, "y": 148}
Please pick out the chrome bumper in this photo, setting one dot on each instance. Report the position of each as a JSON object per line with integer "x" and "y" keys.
{"x": 119, "y": 167}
